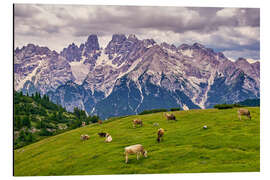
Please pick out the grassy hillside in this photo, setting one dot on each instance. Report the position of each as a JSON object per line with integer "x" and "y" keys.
{"x": 228, "y": 145}
{"x": 36, "y": 117}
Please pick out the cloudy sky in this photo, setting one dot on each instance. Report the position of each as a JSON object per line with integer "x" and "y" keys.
{"x": 233, "y": 31}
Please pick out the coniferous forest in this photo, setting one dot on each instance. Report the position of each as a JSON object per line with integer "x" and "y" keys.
{"x": 36, "y": 117}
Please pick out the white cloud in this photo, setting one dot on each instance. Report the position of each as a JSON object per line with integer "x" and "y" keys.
{"x": 248, "y": 54}
{"x": 227, "y": 12}
{"x": 56, "y": 26}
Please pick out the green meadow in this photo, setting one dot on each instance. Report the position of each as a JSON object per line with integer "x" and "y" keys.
{"x": 227, "y": 145}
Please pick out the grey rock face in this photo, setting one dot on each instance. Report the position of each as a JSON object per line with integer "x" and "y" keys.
{"x": 115, "y": 44}
{"x": 91, "y": 44}
{"x": 72, "y": 53}
{"x": 39, "y": 69}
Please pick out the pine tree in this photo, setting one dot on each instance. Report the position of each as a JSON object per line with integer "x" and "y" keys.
{"x": 29, "y": 137}
{"x": 22, "y": 135}
{"x": 26, "y": 121}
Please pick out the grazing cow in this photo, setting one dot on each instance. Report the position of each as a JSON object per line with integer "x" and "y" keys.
{"x": 108, "y": 138}
{"x": 160, "y": 133}
{"x": 156, "y": 124}
{"x": 84, "y": 137}
{"x": 135, "y": 149}
{"x": 137, "y": 121}
{"x": 170, "y": 116}
{"x": 243, "y": 112}
{"x": 83, "y": 124}
{"x": 99, "y": 122}
{"x": 102, "y": 134}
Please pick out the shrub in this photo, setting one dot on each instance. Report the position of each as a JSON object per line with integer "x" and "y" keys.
{"x": 224, "y": 106}
{"x": 237, "y": 105}
{"x": 153, "y": 111}
{"x": 175, "y": 109}
{"x": 45, "y": 132}
{"x": 94, "y": 119}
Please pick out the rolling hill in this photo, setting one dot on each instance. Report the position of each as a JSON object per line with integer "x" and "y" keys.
{"x": 227, "y": 145}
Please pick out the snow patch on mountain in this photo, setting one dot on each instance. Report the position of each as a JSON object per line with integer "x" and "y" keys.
{"x": 131, "y": 68}
{"x": 251, "y": 61}
{"x": 185, "y": 107}
{"x": 29, "y": 76}
{"x": 205, "y": 95}
{"x": 231, "y": 59}
{"x": 187, "y": 52}
{"x": 79, "y": 70}
{"x": 142, "y": 97}
{"x": 103, "y": 60}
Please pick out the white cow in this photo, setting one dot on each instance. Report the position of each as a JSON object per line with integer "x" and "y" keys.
{"x": 135, "y": 149}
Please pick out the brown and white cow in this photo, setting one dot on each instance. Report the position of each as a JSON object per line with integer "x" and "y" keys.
{"x": 243, "y": 112}
{"x": 170, "y": 116}
{"x": 84, "y": 137}
{"x": 137, "y": 121}
{"x": 137, "y": 149}
{"x": 160, "y": 133}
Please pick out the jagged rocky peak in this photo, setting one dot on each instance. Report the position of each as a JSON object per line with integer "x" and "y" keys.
{"x": 31, "y": 50}
{"x": 119, "y": 38}
{"x": 204, "y": 53}
{"x": 92, "y": 43}
{"x": 168, "y": 46}
{"x": 221, "y": 55}
{"x": 242, "y": 63}
{"x": 149, "y": 42}
{"x": 241, "y": 59}
{"x": 72, "y": 53}
{"x": 132, "y": 37}
{"x": 115, "y": 44}
{"x": 197, "y": 46}
{"x": 184, "y": 47}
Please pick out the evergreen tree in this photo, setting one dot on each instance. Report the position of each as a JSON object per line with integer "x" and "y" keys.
{"x": 94, "y": 119}
{"x": 29, "y": 137}
{"x": 22, "y": 135}
{"x": 17, "y": 122}
{"x": 26, "y": 121}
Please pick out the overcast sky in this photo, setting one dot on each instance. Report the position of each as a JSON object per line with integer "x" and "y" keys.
{"x": 233, "y": 31}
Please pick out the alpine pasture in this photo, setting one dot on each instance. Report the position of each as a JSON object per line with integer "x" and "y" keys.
{"x": 226, "y": 145}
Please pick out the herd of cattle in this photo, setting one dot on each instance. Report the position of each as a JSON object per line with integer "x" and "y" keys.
{"x": 138, "y": 149}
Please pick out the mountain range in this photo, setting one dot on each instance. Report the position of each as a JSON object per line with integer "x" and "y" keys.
{"x": 130, "y": 75}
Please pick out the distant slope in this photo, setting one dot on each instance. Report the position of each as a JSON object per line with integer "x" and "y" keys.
{"x": 228, "y": 145}
{"x": 250, "y": 102}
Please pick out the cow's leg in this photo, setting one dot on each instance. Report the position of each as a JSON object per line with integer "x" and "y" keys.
{"x": 126, "y": 158}
{"x": 138, "y": 156}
